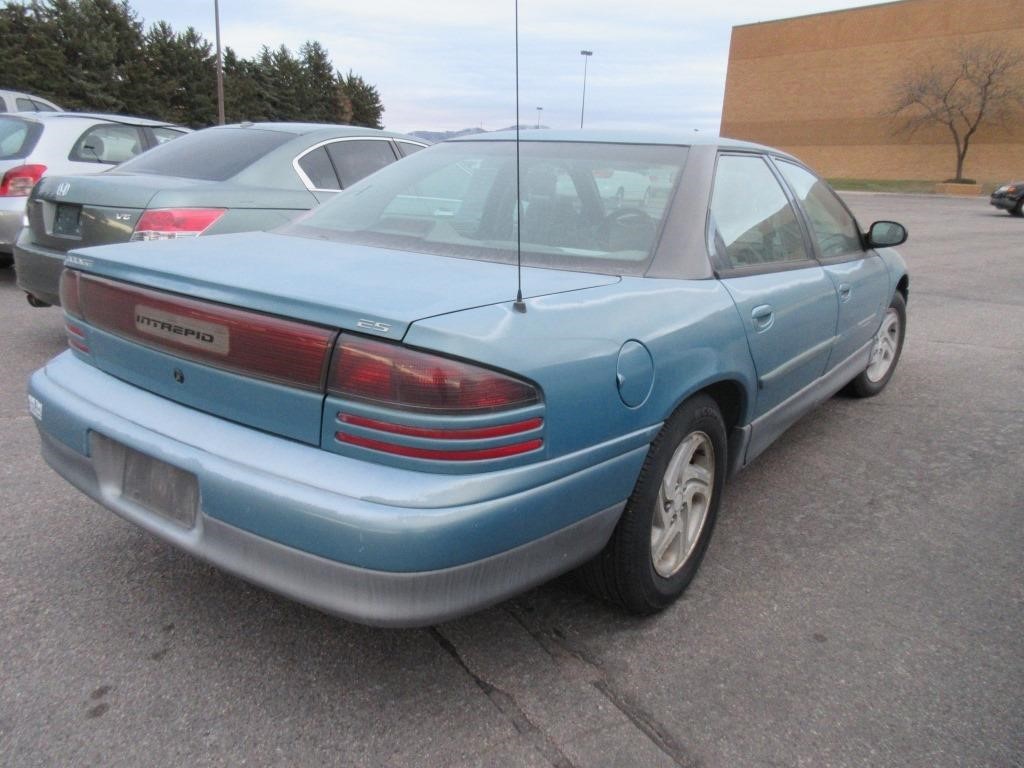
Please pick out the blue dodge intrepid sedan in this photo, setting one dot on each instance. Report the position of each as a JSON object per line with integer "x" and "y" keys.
{"x": 359, "y": 412}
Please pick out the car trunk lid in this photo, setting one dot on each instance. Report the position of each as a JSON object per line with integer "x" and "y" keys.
{"x": 67, "y": 212}
{"x": 211, "y": 323}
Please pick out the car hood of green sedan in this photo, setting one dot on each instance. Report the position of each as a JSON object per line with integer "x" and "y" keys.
{"x": 355, "y": 287}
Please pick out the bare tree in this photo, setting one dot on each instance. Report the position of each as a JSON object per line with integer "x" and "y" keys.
{"x": 980, "y": 83}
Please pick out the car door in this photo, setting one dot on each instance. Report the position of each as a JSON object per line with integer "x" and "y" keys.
{"x": 860, "y": 276}
{"x": 786, "y": 302}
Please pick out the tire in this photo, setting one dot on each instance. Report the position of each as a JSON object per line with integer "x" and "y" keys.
{"x": 691, "y": 447}
{"x": 6, "y": 260}
{"x": 885, "y": 352}
{"x": 1018, "y": 210}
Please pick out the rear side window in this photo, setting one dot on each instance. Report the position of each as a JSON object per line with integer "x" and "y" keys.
{"x": 215, "y": 154}
{"x": 407, "y": 147}
{"x": 25, "y": 105}
{"x": 753, "y": 223}
{"x": 163, "y": 135}
{"x": 17, "y": 137}
{"x": 358, "y": 158}
{"x": 41, "y": 106}
{"x": 108, "y": 143}
{"x": 318, "y": 169}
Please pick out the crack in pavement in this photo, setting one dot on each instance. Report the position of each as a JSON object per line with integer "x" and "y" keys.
{"x": 506, "y": 704}
{"x": 558, "y": 646}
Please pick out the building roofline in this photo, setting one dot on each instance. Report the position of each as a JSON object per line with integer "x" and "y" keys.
{"x": 826, "y": 13}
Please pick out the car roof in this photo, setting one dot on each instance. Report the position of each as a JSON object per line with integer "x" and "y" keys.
{"x": 327, "y": 129}
{"x": 124, "y": 119}
{"x": 623, "y": 137}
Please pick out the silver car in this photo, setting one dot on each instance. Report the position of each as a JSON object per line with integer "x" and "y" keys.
{"x": 33, "y": 145}
{"x": 17, "y": 101}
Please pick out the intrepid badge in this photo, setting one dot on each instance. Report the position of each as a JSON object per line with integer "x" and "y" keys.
{"x": 181, "y": 330}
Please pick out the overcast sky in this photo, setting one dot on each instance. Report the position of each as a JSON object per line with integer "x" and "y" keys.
{"x": 449, "y": 64}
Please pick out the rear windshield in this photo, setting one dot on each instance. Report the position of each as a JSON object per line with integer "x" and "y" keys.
{"x": 213, "y": 155}
{"x": 17, "y": 137}
{"x": 584, "y": 206}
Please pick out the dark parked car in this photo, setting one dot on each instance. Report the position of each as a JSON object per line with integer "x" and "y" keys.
{"x": 225, "y": 179}
{"x": 361, "y": 411}
{"x": 1010, "y": 197}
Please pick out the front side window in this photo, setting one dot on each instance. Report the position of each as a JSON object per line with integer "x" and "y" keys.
{"x": 752, "y": 222}
{"x": 459, "y": 199}
{"x": 833, "y": 227}
{"x": 107, "y": 143}
{"x": 358, "y": 158}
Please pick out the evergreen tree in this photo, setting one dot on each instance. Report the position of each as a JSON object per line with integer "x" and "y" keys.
{"x": 94, "y": 55}
{"x": 367, "y": 108}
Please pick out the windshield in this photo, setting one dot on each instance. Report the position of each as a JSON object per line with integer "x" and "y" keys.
{"x": 585, "y": 206}
{"x": 215, "y": 154}
{"x": 17, "y": 137}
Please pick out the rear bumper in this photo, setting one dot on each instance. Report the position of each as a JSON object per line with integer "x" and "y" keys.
{"x": 12, "y": 212}
{"x": 38, "y": 269}
{"x": 412, "y": 548}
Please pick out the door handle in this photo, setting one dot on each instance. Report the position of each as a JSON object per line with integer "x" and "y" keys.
{"x": 844, "y": 291}
{"x": 763, "y": 317}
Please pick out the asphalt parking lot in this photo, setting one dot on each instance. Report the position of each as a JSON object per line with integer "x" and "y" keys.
{"x": 861, "y": 604}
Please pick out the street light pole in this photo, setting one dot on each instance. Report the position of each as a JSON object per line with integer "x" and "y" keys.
{"x": 539, "y": 109}
{"x": 586, "y": 55}
{"x": 220, "y": 66}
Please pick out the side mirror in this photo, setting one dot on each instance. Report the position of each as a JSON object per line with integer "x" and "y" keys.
{"x": 886, "y": 234}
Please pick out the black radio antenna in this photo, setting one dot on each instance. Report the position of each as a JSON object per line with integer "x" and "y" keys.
{"x": 519, "y": 305}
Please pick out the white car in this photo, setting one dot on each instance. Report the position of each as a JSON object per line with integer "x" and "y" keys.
{"x": 33, "y": 145}
{"x": 16, "y": 101}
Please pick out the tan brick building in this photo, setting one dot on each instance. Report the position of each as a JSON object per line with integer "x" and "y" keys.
{"x": 818, "y": 86}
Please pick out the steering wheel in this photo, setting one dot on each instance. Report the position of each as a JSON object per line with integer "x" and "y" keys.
{"x": 628, "y": 218}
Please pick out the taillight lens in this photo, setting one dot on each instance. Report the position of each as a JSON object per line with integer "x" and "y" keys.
{"x": 172, "y": 223}
{"x": 399, "y": 377}
{"x": 69, "y": 298}
{"x": 18, "y": 181}
{"x": 263, "y": 346}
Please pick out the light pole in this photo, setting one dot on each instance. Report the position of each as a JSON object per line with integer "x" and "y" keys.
{"x": 586, "y": 55}
{"x": 539, "y": 110}
{"x": 220, "y": 66}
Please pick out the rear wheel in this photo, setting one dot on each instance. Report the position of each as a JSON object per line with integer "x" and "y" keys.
{"x": 665, "y": 528}
{"x": 1018, "y": 210}
{"x": 6, "y": 260}
{"x": 885, "y": 351}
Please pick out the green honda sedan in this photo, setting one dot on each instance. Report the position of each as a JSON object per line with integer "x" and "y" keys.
{"x": 234, "y": 178}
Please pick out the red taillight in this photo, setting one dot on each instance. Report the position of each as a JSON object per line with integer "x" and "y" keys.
{"x": 398, "y": 377}
{"x": 18, "y": 181}
{"x": 262, "y": 346}
{"x": 442, "y": 454}
{"x": 171, "y": 223}
{"x": 69, "y": 299}
{"x": 76, "y": 337}
{"x": 435, "y": 433}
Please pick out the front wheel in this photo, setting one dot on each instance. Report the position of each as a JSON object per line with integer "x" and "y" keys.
{"x": 885, "y": 351}
{"x": 661, "y": 538}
